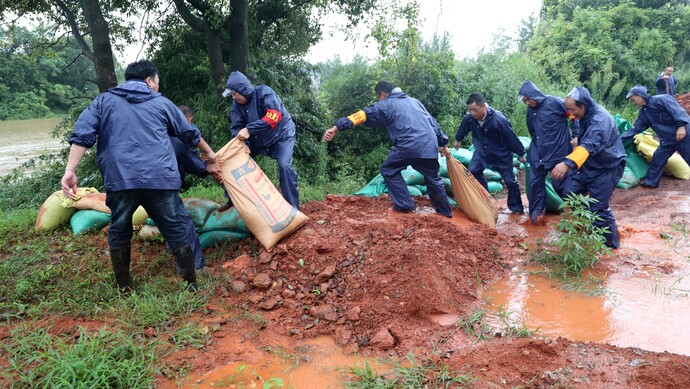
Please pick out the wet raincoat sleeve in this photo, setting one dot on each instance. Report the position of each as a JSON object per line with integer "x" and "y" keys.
{"x": 596, "y": 140}
{"x": 238, "y": 119}
{"x": 464, "y": 128}
{"x": 269, "y": 111}
{"x": 510, "y": 139}
{"x": 372, "y": 115}
{"x": 640, "y": 125}
{"x": 188, "y": 160}
{"x": 440, "y": 136}
{"x": 86, "y": 127}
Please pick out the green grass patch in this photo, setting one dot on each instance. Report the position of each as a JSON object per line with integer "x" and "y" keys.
{"x": 101, "y": 359}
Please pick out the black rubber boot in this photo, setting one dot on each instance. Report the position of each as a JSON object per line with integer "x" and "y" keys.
{"x": 185, "y": 260}
{"x": 120, "y": 258}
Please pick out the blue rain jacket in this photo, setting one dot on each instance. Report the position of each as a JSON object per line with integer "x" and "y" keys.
{"x": 599, "y": 136}
{"x": 264, "y": 114}
{"x": 548, "y": 126}
{"x": 133, "y": 125}
{"x": 494, "y": 142}
{"x": 661, "y": 85}
{"x": 188, "y": 159}
{"x": 663, "y": 114}
{"x": 413, "y": 132}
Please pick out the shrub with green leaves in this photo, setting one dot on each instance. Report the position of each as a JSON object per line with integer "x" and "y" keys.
{"x": 581, "y": 242}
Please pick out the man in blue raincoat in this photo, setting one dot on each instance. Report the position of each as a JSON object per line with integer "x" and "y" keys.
{"x": 597, "y": 162}
{"x": 133, "y": 124}
{"x": 259, "y": 117}
{"x": 666, "y": 82}
{"x": 494, "y": 144}
{"x": 416, "y": 138}
{"x": 548, "y": 122}
{"x": 669, "y": 120}
{"x": 189, "y": 161}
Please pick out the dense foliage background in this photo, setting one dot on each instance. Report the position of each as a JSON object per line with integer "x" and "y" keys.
{"x": 609, "y": 46}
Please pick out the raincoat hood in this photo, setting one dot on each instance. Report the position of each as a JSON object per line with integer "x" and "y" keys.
{"x": 134, "y": 91}
{"x": 582, "y": 95}
{"x": 638, "y": 90}
{"x": 531, "y": 91}
{"x": 238, "y": 82}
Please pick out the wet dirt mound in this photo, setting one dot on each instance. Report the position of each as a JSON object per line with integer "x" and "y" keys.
{"x": 368, "y": 275}
{"x": 684, "y": 101}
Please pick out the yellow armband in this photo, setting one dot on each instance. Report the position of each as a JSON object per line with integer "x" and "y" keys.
{"x": 358, "y": 117}
{"x": 579, "y": 156}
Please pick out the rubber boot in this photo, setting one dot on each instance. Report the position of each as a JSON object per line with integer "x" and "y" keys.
{"x": 185, "y": 261}
{"x": 120, "y": 258}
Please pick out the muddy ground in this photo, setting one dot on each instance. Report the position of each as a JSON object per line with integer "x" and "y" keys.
{"x": 374, "y": 280}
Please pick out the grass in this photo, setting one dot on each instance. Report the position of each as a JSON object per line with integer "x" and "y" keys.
{"x": 413, "y": 373}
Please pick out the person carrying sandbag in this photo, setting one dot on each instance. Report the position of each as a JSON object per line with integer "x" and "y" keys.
{"x": 417, "y": 139}
{"x": 133, "y": 124}
{"x": 664, "y": 114}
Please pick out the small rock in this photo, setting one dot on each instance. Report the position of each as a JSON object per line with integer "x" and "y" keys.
{"x": 325, "y": 275}
{"x": 238, "y": 286}
{"x": 383, "y": 339}
{"x": 325, "y": 312}
{"x": 352, "y": 348}
{"x": 265, "y": 257}
{"x": 262, "y": 281}
{"x": 254, "y": 299}
{"x": 269, "y": 304}
{"x": 287, "y": 293}
{"x": 353, "y": 313}
{"x": 343, "y": 336}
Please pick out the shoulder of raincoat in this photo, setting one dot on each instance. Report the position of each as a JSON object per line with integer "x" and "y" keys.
{"x": 411, "y": 129}
{"x": 133, "y": 125}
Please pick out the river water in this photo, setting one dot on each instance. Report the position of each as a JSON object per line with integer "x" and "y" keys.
{"x": 21, "y": 140}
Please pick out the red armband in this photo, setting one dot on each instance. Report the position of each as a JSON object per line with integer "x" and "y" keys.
{"x": 272, "y": 118}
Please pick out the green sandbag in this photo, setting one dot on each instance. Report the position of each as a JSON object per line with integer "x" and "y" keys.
{"x": 491, "y": 175}
{"x": 622, "y": 124}
{"x": 553, "y": 200}
{"x": 462, "y": 155}
{"x": 443, "y": 166}
{"x": 515, "y": 171}
{"x": 629, "y": 180}
{"x": 229, "y": 220}
{"x": 447, "y": 185}
{"x": 637, "y": 164}
{"x": 494, "y": 186}
{"x": 199, "y": 209}
{"x": 374, "y": 188}
{"x": 87, "y": 220}
{"x": 412, "y": 177}
{"x": 452, "y": 202}
{"x": 215, "y": 237}
{"x": 423, "y": 189}
{"x": 414, "y": 191}
{"x": 526, "y": 141}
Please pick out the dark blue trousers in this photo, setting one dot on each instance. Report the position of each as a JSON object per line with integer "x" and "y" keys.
{"x": 661, "y": 156}
{"x": 397, "y": 188}
{"x": 477, "y": 167}
{"x": 281, "y": 151}
{"x": 537, "y": 192}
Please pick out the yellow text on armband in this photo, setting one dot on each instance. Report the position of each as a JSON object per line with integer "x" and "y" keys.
{"x": 358, "y": 117}
{"x": 579, "y": 156}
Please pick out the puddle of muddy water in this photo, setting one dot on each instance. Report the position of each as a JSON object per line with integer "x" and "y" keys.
{"x": 314, "y": 364}
{"x": 644, "y": 304}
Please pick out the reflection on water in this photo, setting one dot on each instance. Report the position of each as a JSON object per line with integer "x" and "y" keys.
{"x": 21, "y": 140}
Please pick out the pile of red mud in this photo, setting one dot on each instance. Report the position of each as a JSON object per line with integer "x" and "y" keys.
{"x": 372, "y": 277}
{"x": 684, "y": 101}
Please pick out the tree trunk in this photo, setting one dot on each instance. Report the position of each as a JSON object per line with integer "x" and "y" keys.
{"x": 215, "y": 56}
{"x": 102, "y": 51}
{"x": 239, "y": 36}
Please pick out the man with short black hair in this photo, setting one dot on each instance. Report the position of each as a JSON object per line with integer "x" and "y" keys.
{"x": 416, "y": 138}
{"x": 669, "y": 120}
{"x": 494, "y": 144}
{"x": 131, "y": 124}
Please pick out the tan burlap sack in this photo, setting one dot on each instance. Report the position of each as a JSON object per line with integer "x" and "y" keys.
{"x": 470, "y": 195}
{"x": 267, "y": 215}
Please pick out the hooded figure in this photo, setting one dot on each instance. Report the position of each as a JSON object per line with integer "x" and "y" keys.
{"x": 597, "y": 162}
{"x": 494, "y": 144}
{"x": 133, "y": 125}
{"x": 259, "y": 116}
{"x": 548, "y": 122}
{"x": 668, "y": 119}
{"x": 416, "y": 138}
